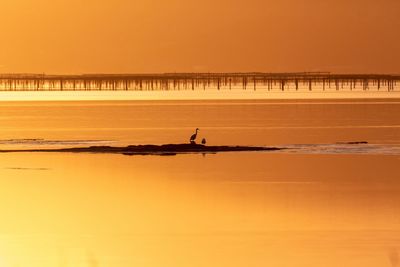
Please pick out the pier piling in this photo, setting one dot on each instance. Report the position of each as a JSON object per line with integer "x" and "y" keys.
{"x": 192, "y": 81}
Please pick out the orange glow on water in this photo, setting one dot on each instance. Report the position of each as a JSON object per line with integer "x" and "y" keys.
{"x": 275, "y": 209}
{"x": 115, "y": 209}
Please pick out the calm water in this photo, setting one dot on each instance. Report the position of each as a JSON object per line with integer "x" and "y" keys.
{"x": 319, "y": 203}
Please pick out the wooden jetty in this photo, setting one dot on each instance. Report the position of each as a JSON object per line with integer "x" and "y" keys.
{"x": 200, "y": 81}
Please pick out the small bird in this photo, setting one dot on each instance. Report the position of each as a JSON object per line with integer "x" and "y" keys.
{"x": 194, "y": 136}
{"x": 204, "y": 141}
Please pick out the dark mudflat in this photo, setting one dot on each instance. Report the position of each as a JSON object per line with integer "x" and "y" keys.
{"x": 165, "y": 150}
{"x": 353, "y": 143}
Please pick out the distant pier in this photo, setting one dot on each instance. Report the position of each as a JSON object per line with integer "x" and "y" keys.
{"x": 309, "y": 81}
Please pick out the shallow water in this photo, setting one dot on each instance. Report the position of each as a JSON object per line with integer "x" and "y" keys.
{"x": 318, "y": 203}
{"x": 221, "y": 122}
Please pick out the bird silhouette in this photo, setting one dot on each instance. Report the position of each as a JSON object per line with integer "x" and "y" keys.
{"x": 204, "y": 141}
{"x": 194, "y": 136}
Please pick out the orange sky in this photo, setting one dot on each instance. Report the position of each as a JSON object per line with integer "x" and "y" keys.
{"x": 126, "y": 36}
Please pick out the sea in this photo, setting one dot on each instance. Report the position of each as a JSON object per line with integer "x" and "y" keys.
{"x": 329, "y": 198}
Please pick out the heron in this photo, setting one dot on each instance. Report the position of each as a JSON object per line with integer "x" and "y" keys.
{"x": 194, "y": 136}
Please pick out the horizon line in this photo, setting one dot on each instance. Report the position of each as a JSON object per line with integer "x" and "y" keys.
{"x": 147, "y": 74}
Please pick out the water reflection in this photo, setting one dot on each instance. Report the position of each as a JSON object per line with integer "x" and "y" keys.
{"x": 226, "y": 209}
{"x": 233, "y": 209}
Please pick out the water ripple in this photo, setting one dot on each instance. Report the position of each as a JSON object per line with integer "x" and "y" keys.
{"x": 345, "y": 148}
{"x": 44, "y": 142}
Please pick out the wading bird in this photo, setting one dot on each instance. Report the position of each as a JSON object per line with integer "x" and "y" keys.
{"x": 194, "y": 136}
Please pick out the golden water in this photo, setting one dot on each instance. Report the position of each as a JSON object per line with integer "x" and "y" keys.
{"x": 233, "y": 209}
